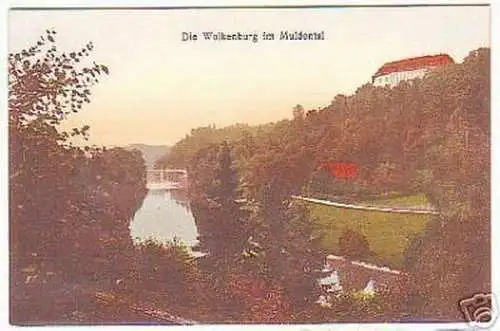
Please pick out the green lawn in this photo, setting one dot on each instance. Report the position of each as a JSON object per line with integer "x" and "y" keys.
{"x": 389, "y": 234}
{"x": 419, "y": 200}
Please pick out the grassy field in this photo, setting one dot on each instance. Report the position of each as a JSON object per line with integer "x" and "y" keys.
{"x": 389, "y": 234}
{"x": 408, "y": 201}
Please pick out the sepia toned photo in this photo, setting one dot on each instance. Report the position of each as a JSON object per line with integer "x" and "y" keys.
{"x": 249, "y": 165}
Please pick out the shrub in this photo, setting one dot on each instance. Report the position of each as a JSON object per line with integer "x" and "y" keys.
{"x": 167, "y": 270}
{"x": 353, "y": 244}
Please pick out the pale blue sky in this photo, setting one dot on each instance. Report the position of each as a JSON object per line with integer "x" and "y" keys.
{"x": 160, "y": 87}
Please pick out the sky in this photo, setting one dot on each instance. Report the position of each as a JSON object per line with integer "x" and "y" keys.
{"x": 160, "y": 87}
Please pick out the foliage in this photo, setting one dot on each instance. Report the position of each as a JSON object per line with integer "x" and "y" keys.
{"x": 292, "y": 252}
{"x": 457, "y": 252}
{"x": 45, "y": 87}
{"x": 69, "y": 206}
{"x": 215, "y": 194}
{"x": 167, "y": 271}
{"x": 182, "y": 153}
{"x": 263, "y": 302}
{"x": 353, "y": 244}
{"x": 355, "y": 307}
{"x": 268, "y": 243}
{"x": 221, "y": 222}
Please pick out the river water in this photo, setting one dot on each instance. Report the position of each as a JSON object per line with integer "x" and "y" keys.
{"x": 163, "y": 216}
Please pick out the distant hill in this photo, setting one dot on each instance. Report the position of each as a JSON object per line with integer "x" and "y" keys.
{"x": 150, "y": 153}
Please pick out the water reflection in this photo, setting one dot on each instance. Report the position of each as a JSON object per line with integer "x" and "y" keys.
{"x": 165, "y": 214}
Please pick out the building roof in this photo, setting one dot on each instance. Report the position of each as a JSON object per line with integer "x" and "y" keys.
{"x": 414, "y": 64}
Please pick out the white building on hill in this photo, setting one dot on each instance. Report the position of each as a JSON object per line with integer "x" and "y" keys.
{"x": 392, "y": 73}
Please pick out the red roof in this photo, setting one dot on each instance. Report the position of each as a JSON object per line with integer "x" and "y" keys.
{"x": 414, "y": 64}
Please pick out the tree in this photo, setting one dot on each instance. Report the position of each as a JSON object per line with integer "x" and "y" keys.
{"x": 454, "y": 262}
{"x": 167, "y": 272}
{"x": 353, "y": 244}
{"x": 230, "y": 231}
{"x": 220, "y": 220}
{"x": 289, "y": 247}
{"x": 69, "y": 206}
{"x": 298, "y": 112}
{"x": 44, "y": 88}
{"x": 387, "y": 177}
{"x": 215, "y": 193}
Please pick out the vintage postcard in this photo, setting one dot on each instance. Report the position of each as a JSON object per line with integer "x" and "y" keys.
{"x": 250, "y": 165}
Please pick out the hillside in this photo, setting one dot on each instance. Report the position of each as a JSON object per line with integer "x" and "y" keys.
{"x": 150, "y": 153}
{"x": 418, "y": 143}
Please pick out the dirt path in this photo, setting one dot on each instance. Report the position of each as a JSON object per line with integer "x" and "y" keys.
{"x": 368, "y": 208}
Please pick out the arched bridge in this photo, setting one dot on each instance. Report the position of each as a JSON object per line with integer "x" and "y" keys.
{"x": 167, "y": 179}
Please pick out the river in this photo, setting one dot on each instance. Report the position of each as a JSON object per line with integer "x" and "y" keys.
{"x": 163, "y": 216}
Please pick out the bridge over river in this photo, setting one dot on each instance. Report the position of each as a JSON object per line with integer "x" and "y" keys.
{"x": 167, "y": 179}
